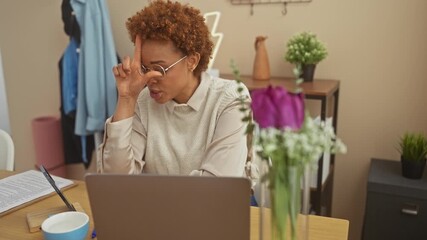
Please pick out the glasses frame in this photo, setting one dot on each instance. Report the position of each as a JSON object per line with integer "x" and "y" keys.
{"x": 164, "y": 70}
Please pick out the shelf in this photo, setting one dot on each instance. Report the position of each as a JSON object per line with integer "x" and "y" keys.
{"x": 243, "y": 2}
{"x": 317, "y": 88}
{"x": 263, "y": 2}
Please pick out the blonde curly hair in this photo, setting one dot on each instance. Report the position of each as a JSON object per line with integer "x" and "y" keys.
{"x": 182, "y": 24}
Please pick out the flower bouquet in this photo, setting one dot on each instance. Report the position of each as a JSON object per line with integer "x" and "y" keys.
{"x": 289, "y": 141}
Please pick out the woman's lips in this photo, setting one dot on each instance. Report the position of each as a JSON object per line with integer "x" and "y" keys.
{"x": 155, "y": 94}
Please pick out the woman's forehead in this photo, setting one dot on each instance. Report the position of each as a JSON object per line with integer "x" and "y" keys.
{"x": 158, "y": 44}
{"x": 158, "y": 49}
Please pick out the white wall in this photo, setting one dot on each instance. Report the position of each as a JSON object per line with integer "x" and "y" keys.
{"x": 4, "y": 109}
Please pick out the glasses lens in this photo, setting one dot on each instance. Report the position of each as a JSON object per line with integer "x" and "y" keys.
{"x": 154, "y": 67}
{"x": 158, "y": 68}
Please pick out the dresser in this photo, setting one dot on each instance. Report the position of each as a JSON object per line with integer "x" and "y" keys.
{"x": 396, "y": 207}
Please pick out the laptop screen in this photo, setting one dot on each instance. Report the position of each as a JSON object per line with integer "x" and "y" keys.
{"x": 169, "y": 207}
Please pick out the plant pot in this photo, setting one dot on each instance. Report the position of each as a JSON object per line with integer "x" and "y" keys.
{"x": 307, "y": 72}
{"x": 413, "y": 169}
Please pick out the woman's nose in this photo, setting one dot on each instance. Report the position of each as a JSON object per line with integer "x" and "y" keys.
{"x": 152, "y": 81}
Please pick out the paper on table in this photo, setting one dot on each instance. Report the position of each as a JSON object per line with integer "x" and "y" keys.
{"x": 25, "y": 187}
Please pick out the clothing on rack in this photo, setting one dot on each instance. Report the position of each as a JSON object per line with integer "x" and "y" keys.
{"x": 70, "y": 63}
{"x": 74, "y": 150}
{"x": 88, "y": 91}
{"x": 71, "y": 27}
{"x": 77, "y": 149}
{"x": 97, "y": 95}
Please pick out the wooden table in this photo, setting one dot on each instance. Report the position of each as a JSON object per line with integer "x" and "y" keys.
{"x": 14, "y": 225}
{"x": 320, "y": 228}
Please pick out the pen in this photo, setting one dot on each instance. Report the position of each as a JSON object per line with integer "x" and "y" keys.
{"x": 52, "y": 183}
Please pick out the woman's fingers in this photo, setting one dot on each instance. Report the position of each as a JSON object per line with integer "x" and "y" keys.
{"x": 121, "y": 70}
{"x": 136, "y": 61}
{"x": 137, "y": 52}
{"x": 126, "y": 65}
{"x": 132, "y": 67}
{"x": 124, "y": 70}
{"x": 116, "y": 71}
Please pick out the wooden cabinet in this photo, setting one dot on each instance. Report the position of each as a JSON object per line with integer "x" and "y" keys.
{"x": 396, "y": 207}
{"x": 326, "y": 93}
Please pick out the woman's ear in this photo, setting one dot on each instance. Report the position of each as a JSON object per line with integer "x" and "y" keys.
{"x": 193, "y": 61}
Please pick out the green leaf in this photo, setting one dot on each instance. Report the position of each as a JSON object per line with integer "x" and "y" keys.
{"x": 250, "y": 128}
{"x": 305, "y": 48}
{"x": 247, "y": 118}
{"x": 413, "y": 147}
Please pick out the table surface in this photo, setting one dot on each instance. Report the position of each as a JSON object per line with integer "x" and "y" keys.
{"x": 317, "y": 88}
{"x": 14, "y": 225}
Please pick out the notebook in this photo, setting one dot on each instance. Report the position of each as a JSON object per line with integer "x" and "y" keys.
{"x": 157, "y": 207}
{"x": 25, "y": 188}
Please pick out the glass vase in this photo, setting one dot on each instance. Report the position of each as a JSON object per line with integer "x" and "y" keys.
{"x": 284, "y": 211}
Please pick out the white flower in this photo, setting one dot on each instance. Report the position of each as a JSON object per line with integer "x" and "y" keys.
{"x": 300, "y": 147}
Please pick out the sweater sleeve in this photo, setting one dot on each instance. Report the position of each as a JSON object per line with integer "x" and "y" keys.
{"x": 123, "y": 148}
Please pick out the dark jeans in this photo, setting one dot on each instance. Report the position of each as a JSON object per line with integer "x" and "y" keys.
{"x": 253, "y": 201}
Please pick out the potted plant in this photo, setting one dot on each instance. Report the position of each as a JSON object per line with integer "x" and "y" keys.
{"x": 305, "y": 51}
{"x": 413, "y": 150}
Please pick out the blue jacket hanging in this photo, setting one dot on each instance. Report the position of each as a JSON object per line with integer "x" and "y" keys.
{"x": 70, "y": 65}
{"x": 97, "y": 95}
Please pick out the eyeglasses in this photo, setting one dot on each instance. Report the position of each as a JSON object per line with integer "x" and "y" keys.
{"x": 159, "y": 68}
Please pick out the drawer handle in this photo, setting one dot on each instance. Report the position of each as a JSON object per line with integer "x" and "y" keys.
{"x": 410, "y": 209}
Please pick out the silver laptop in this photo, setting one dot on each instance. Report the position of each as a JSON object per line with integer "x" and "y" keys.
{"x": 153, "y": 207}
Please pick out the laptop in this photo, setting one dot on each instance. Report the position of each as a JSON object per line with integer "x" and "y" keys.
{"x": 154, "y": 207}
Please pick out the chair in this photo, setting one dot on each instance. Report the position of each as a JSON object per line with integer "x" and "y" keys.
{"x": 7, "y": 151}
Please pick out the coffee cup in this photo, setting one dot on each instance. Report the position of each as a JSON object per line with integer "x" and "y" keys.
{"x": 66, "y": 226}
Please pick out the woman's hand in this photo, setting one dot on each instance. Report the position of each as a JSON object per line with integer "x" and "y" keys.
{"x": 130, "y": 81}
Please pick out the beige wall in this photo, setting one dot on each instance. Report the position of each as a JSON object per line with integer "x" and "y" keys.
{"x": 377, "y": 49}
{"x": 31, "y": 42}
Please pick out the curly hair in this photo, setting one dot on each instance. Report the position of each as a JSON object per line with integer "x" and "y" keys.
{"x": 182, "y": 24}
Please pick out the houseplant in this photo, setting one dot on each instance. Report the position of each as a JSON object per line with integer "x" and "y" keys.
{"x": 305, "y": 51}
{"x": 289, "y": 142}
{"x": 413, "y": 150}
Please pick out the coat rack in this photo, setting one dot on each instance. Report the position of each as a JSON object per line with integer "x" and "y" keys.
{"x": 259, "y": 2}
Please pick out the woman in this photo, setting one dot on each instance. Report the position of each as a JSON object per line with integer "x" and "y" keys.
{"x": 171, "y": 116}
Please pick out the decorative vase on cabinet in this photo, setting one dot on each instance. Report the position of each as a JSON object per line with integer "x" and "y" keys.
{"x": 261, "y": 69}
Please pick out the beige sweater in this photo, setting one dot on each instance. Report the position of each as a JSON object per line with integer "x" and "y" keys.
{"x": 203, "y": 137}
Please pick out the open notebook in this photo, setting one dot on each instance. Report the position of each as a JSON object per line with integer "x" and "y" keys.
{"x": 169, "y": 207}
{"x": 24, "y": 188}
